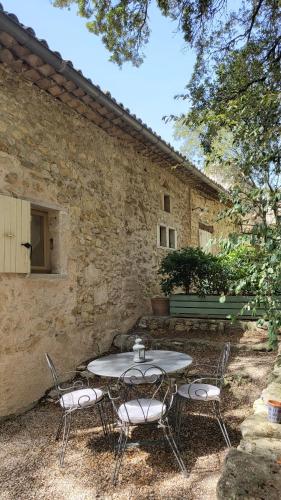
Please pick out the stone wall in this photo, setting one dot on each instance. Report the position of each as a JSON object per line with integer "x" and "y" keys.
{"x": 208, "y": 215}
{"x": 107, "y": 201}
{"x": 166, "y": 326}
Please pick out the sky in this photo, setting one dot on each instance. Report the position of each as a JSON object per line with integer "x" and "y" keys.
{"x": 147, "y": 91}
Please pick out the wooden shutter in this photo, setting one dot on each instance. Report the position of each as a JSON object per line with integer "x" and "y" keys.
{"x": 204, "y": 238}
{"x": 14, "y": 230}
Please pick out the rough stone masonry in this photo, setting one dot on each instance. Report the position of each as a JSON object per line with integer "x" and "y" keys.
{"x": 105, "y": 201}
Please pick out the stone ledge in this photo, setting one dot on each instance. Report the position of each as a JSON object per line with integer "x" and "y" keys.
{"x": 266, "y": 447}
{"x": 48, "y": 276}
{"x": 249, "y": 477}
{"x": 257, "y": 426}
{"x": 260, "y": 407}
{"x": 276, "y": 373}
{"x": 186, "y": 324}
{"x": 252, "y": 472}
{"x": 272, "y": 391}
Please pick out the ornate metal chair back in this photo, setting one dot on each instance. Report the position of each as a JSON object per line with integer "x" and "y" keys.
{"x": 143, "y": 386}
{"x": 53, "y": 371}
{"x": 222, "y": 364}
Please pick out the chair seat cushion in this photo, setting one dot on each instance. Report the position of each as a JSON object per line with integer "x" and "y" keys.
{"x": 200, "y": 392}
{"x": 81, "y": 398}
{"x": 139, "y": 411}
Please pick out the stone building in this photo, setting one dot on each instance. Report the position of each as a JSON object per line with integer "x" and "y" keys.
{"x": 98, "y": 195}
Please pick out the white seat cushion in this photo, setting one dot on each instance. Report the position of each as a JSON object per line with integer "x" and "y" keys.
{"x": 80, "y": 398}
{"x": 139, "y": 411}
{"x": 200, "y": 392}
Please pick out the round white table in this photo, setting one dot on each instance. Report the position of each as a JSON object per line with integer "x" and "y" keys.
{"x": 114, "y": 365}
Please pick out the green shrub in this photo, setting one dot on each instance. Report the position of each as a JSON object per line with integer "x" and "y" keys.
{"x": 240, "y": 262}
{"x": 192, "y": 270}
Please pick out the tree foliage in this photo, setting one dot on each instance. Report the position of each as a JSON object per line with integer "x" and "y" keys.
{"x": 124, "y": 25}
{"x": 222, "y": 148}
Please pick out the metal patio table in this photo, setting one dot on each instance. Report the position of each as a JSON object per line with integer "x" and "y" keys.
{"x": 113, "y": 365}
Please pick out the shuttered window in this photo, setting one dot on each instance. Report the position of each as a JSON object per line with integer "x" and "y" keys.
{"x": 14, "y": 234}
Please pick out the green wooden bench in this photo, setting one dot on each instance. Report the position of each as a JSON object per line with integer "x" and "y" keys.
{"x": 193, "y": 306}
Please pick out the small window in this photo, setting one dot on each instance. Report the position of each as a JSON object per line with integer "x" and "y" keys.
{"x": 172, "y": 238}
{"x": 163, "y": 236}
{"x": 166, "y": 237}
{"x": 167, "y": 203}
{"x": 40, "y": 258}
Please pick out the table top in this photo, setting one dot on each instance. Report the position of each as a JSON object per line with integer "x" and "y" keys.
{"x": 115, "y": 364}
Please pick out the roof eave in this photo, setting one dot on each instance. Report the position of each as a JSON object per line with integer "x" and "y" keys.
{"x": 9, "y": 24}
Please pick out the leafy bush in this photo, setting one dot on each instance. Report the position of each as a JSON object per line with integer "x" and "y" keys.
{"x": 191, "y": 269}
{"x": 239, "y": 263}
{"x": 240, "y": 269}
{"x": 244, "y": 264}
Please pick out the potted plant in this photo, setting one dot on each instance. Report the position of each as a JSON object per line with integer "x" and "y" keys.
{"x": 160, "y": 306}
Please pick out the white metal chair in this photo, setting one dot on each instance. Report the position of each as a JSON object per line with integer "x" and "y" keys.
{"x": 206, "y": 389}
{"x": 145, "y": 403}
{"x": 72, "y": 396}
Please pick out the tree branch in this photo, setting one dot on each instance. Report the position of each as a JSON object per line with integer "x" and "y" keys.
{"x": 254, "y": 15}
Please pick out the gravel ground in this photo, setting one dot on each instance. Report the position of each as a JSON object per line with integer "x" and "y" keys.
{"x": 29, "y": 466}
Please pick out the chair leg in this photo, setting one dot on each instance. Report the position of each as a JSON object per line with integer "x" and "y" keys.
{"x": 59, "y": 429}
{"x": 178, "y": 421}
{"x": 117, "y": 446}
{"x": 171, "y": 441}
{"x": 102, "y": 419}
{"x": 221, "y": 423}
{"x": 120, "y": 453}
{"x": 66, "y": 429}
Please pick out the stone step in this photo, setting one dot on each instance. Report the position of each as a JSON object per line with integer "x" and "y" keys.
{"x": 257, "y": 426}
{"x": 212, "y": 343}
{"x": 272, "y": 391}
{"x": 249, "y": 477}
{"x": 260, "y": 407}
{"x": 266, "y": 447}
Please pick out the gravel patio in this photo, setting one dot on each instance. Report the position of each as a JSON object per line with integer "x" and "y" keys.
{"x": 29, "y": 466}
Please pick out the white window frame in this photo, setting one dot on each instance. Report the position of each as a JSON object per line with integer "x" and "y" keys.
{"x": 167, "y": 237}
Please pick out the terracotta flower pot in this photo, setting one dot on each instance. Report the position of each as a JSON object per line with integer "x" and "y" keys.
{"x": 274, "y": 411}
{"x": 160, "y": 306}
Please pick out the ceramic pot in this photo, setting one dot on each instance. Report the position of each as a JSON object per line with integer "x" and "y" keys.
{"x": 274, "y": 411}
{"x": 160, "y": 306}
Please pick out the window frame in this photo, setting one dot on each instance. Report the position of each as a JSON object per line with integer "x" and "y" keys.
{"x": 168, "y": 228}
{"x": 46, "y": 268}
{"x": 163, "y": 226}
{"x": 175, "y": 238}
